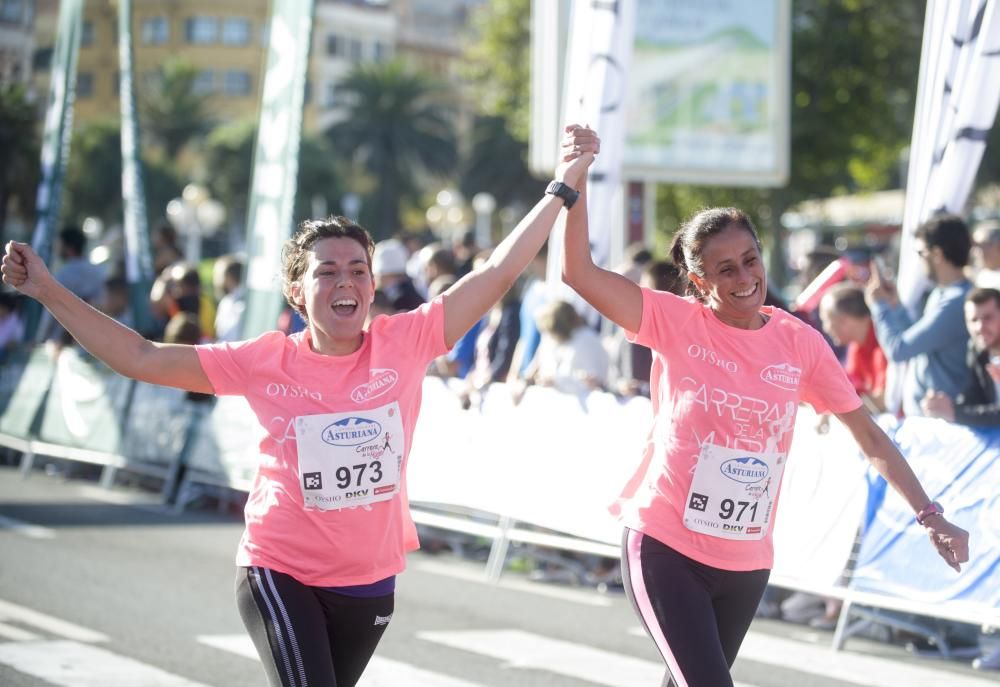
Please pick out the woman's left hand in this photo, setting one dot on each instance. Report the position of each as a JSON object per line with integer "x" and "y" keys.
{"x": 951, "y": 541}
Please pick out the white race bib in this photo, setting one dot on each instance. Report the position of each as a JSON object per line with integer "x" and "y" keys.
{"x": 732, "y": 494}
{"x": 350, "y": 459}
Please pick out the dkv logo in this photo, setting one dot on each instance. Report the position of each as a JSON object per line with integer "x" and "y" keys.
{"x": 784, "y": 376}
{"x": 351, "y": 431}
{"x": 379, "y": 381}
{"x": 745, "y": 470}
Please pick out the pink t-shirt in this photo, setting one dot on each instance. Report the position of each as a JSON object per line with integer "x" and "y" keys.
{"x": 730, "y": 387}
{"x": 283, "y": 379}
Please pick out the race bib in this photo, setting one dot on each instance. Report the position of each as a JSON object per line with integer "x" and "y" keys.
{"x": 349, "y": 459}
{"x": 732, "y": 494}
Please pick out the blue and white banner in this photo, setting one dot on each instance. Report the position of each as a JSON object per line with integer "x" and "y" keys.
{"x": 276, "y": 161}
{"x": 958, "y": 467}
{"x": 55, "y": 140}
{"x": 597, "y": 64}
{"x": 957, "y": 97}
{"x": 138, "y": 255}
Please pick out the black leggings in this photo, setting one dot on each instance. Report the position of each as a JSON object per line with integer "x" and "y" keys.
{"x": 308, "y": 636}
{"x": 696, "y": 614}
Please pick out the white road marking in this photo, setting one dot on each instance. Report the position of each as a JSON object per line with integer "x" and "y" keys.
{"x": 71, "y": 664}
{"x": 526, "y": 650}
{"x": 26, "y": 529}
{"x": 381, "y": 672}
{"x": 27, "y": 616}
{"x": 870, "y": 671}
{"x": 16, "y": 634}
{"x": 458, "y": 573}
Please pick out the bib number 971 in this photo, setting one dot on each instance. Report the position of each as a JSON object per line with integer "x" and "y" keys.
{"x": 729, "y": 508}
{"x": 354, "y": 473}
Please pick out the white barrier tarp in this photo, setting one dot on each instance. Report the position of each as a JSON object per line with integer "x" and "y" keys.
{"x": 558, "y": 461}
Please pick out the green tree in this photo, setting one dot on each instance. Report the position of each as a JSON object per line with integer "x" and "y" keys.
{"x": 229, "y": 158}
{"x": 495, "y": 163}
{"x": 93, "y": 173}
{"x": 854, "y": 82}
{"x": 172, "y": 111}
{"x": 396, "y": 127}
{"x": 854, "y": 78}
{"x": 319, "y": 177}
{"x": 229, "y": 151}
{"x": 93, "y": 177}
{"x": 498, "y": 63}
{"x": 19, "y": 152}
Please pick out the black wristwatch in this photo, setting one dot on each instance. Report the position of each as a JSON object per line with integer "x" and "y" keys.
{"x": 561, "y": 190}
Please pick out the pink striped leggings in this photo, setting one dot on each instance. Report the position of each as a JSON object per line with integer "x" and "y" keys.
{"x": 696, "y": 614}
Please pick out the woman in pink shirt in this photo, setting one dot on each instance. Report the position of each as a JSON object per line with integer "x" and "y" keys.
{"x": 327, "y": 519}
{"x": 727, "y": 377}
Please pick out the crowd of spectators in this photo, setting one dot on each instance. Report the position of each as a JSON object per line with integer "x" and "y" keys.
{"x": 947, "y": 353}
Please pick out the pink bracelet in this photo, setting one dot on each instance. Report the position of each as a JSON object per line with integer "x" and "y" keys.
{"x": 932, "y": 508}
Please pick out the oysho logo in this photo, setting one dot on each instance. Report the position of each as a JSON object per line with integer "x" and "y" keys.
{"x": 383, "y": 619}
{"x": 351, "y": 431}
{"x": 784, "y": 376}
{"x": 291, "y": 391}
{"x": 379, "y": 381}
{"x": 710, "y": 357}
{"x": 745, "y": 470}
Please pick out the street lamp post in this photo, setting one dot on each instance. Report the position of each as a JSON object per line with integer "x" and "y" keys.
{"x": 195, "y": 214}
{"x": 484, "y": 204}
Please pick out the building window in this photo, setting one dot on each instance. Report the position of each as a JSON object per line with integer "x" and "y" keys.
{"x": 354, "y": 48}
{"x": 87, "y": 34}
{"x": 201, "y": 30}
{"x": 152, "y": 79}
{"x": 333, "y": 44}
{"x": 235, "y": 31}
{"x": 204, "y": 82}
{"x": 155, "y": 31}
{"x": 381, "y": 51}
{"x": 84, "y": 85}
{"x": 12, "y": 11}
{"x": 236, "y": 82}
{"x": 329, "y": 95}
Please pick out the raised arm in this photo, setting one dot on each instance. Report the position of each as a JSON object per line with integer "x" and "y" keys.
{"x": 613, "y": 295}
{"x": 473, "y": 295}
{"x": 122, "y": 349}
{"x": 951, "y": 541}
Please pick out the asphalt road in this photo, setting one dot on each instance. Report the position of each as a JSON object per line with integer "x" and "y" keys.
{"x": 104, "y": 588}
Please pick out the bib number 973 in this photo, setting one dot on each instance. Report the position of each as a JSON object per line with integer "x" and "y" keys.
{"x": 353, "y": 474}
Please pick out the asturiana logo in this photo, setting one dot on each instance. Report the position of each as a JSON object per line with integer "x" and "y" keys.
{"x": 784, "y": 376}
{"x": 379, "y": 381}
{"x": 746, "y": 470}
{"x": 351, "y": 431}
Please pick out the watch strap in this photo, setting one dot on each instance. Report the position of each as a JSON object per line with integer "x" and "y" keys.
{"x": 561, "y": 190}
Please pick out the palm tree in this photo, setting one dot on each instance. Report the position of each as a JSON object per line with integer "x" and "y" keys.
{"x": 172, "y": 110}
{"x": 19, "y": 151}
{"x": 396, "y": 127}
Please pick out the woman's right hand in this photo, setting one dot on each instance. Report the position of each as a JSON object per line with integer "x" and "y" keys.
{"x": 950, "y": 540}
{"x": 24, "y": 270}
{"x": 580, "y": 145}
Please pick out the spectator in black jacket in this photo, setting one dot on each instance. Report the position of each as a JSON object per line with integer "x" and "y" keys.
{"x": 979, "y": 404}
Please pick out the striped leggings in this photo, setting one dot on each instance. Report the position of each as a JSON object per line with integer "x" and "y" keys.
{"x": 305, "y": 636}
{"x": 696, "y": 614}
